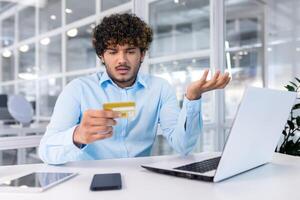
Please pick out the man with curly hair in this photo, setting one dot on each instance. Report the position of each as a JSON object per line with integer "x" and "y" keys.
{"x": 81, "y": 130}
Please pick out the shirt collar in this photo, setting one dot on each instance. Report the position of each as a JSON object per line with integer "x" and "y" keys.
{"x": 104, "y": 78}
{"x": 141, "y": 80}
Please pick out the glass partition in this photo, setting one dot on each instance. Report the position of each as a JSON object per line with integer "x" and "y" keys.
{"x": 49, "y": 91}
{"x": 179, "y": 26}
{"x": 8, "y": 31}
{"x": 8, "y": 65}
{"x": 244, "y": 50}
{"x": 50, "y": 55}
{"x": 27, "y": 68}
{"x": 49, "y": 15}
{"x": 80, "y": 52}
{"x": 108, "y": 4}
{"x": 77, "y": 9}
{"x": 26, "y": 25}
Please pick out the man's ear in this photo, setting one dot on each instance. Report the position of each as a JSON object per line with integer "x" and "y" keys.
{"x": 101, "y": 58}
{"x": 143, "y": 53}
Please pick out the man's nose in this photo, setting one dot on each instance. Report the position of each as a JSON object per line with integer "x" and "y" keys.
{"x": 122, "y": 58}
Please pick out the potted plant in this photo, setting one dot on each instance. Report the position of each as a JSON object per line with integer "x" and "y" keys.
{"x": 291, "y": 141}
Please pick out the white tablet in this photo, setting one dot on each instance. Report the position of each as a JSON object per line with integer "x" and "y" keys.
{"x": 35, "y": 182}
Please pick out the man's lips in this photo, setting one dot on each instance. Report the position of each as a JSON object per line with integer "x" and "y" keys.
{"x": 122, "y": 69}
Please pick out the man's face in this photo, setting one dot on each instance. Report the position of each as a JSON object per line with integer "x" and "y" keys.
{"x": 122, "y": 63}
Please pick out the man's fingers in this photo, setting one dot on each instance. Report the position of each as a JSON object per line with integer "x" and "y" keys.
{"x": 216, "y": 75}
{"x": 211, "y": 82}
{"x": 99, "y": 129}
{"x": 111, "y": 114}
{"x": 222, "y": 82}
{"x": 102, "y": 136}
{"x": 101, "y": 122}
{"x": 217, "y": 81}
{"x": 204, "y": 76}
{"x": 101, "y": 113}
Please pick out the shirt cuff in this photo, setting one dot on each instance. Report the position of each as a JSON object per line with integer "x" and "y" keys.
{"x": 70, "y": 141}
{"x": 192, "y": 106}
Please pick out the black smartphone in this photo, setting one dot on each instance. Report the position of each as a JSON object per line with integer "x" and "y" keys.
{"x": 106, "y": 182}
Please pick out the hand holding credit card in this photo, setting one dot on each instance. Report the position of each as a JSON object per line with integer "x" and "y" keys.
{"x": 127, "y": 109}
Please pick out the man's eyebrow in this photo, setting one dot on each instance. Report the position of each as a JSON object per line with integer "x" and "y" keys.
{"x": 131, "y": 48}
{"x": 111, "y": 48}
{"x": 115, "y": 49}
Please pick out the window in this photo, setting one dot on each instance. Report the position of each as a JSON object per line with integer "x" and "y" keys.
{"x": 49, "y": 91}
{"x": 49, "y": 15}
{"x": 27, "y": 68}
{"x": 283, "y": 42}
{"x": 26, "y": 23}
{"x": 243, "y": 48}
{"x": 8, "y": 31}
{"x": 8, "y": 65}
{"x": 80, "y": 51}
{"x": 77, "y": 9}
{"x": 50, "y": 55}
{"x": 179, "y": 27}
{"x": 107, "y": 4}
{"x": 4, "y": 6}
{"x": 28, "y": 90}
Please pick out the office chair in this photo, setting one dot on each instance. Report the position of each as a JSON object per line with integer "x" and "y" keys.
{"x": 20, "y": 109}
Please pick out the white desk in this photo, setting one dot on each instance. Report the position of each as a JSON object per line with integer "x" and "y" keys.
{"x": 278, "y": 180}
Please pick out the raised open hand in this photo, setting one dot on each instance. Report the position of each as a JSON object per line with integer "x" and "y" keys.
{"x": 197, "y": 88}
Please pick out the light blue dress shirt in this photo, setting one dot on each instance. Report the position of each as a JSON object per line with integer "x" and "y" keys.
{"x": 156, "y": 103}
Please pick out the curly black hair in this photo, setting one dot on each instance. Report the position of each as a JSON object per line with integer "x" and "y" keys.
{"x": 120, "y": 29}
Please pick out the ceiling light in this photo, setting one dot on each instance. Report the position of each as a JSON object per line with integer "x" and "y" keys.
{"x": 6, "y": 53}
{"x": 298, "y": 49}
{"x": 53, "y": 17}
{"x": 27, "y": 76}
{"x": 45, "y": 41}
{"x": 269, "y": 49}
{"x": 24, "y": 48}
{"x": 68, "y": 10}
{"x": 52, "y": 81}
{"x": 72, "y": 32}
{"x": 176, "y": 1}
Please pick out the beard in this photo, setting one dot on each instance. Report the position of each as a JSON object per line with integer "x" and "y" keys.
{"x": 126, "y": 80}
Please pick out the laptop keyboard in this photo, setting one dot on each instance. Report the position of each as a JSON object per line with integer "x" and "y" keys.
{"x": 201, "y": 167}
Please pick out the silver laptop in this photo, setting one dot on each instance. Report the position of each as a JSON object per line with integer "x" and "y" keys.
{"x": 254, "y": 135}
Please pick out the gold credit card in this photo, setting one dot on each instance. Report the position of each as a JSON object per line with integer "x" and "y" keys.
{"x": 127, "y": 109}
